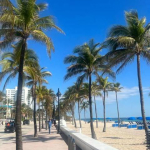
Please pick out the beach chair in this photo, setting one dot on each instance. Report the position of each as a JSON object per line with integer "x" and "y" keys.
{"x": 140, "y": 127}
{"x": 115, "y": 125}
{"x": 130, "y": 126}
{"x": 123, "y": 125}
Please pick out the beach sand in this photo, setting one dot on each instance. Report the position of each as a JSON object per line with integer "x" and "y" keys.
{"x": 120, "y": 138}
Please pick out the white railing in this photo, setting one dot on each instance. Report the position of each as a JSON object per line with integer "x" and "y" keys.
{"x": 78, "y": 141}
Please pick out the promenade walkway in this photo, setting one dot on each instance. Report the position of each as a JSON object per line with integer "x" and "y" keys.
{"x": 44, "y": 141}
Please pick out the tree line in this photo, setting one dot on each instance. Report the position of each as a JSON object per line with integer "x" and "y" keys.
{"x": 19, "y": 23}
{"x": 124, "y": 44}
{"x": 22, "y": 22}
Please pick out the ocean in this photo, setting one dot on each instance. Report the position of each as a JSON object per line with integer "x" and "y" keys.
{"x": 110, "y": 119}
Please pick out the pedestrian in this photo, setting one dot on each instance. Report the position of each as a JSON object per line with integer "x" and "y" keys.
{"x": 50, "y": 125}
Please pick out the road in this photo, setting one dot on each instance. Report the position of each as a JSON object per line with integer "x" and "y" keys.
{"x": 6, "y": 138}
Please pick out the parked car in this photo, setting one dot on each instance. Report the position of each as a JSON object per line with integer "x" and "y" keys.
{"x": 26, "y": 122}
{"x": 10, "y": 127}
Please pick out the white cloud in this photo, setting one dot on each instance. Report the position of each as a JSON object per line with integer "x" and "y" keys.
{"x": 124, "y": 94}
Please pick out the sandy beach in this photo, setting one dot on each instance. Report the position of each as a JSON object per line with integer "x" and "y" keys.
{"x": 120, "y": 138}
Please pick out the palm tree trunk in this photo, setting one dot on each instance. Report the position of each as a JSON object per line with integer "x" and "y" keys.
{"x": 104, "y": 129}
{"x": 18, "y": 102}
{"x": 141, "y": 93}
{"x": 72, "y": 119}
{"x": 79, "y": 114}
{"x": 39, "y": 118}
{"x": 96, "y": 112}
{"x": 72, "y": 114}
{"x": 46, "y": 119}
{"x": 117, "y": 110}
{"x": 35, "y": 125}
{"x": 84, "y": 116}
{"x": 75, "y": 124}
{"x": 42, "y": 115}
{"x": 91, "y": 112}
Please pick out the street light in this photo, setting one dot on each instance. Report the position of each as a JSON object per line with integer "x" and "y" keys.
{"x": 53, "y": 115}
{"x": 58, "y": 94}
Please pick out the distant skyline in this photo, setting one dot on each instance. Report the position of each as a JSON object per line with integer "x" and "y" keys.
{"x": 81, "y": 21}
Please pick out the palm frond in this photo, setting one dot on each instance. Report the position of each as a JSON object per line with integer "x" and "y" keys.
{"x": 70, "y": 59}
{"x": 118, "y": 30}
{"x": 41, "y": 37}
{"x": 11, "y": 76}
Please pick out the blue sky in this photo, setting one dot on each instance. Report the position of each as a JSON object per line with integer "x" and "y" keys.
{"x": 81, "y": 21}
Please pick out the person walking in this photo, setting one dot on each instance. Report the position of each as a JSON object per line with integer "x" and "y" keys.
{"x": 50, "y": 125}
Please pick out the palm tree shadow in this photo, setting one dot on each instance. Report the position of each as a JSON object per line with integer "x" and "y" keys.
{"x": 30, "y": 138}
{"x": 113, "y": 137}
{"x": 43, "y": 137}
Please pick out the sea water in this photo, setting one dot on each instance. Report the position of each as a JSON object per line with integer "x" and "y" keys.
{"x": 110, "y": 119}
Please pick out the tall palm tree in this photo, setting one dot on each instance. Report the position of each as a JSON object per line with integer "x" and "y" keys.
{"x": 53, "y": 96}
{"x": 85, "y": 62}
{"x": 127, "y": 42}
{"x": 105, "y": 86}
{"x": 26, "y": 23}
{"x": 70, "y": 101}
{"x": 48, "y": 103}
{"x": 76, "y": 92}
{"x": 36, "y": 76}
{"x": 95, "y": 92}
{"x": 32, "y": 76}
{"x": 39, "y": 95}
{"x": 116, "y": 87}
{"x": 84, "y": 106}
{"x": 41, "y": 92}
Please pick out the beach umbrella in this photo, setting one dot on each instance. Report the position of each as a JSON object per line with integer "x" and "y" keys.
{"x": 147, "y": 118}
{"x": 131, "y": 118}
{"x": 140, "y": 118}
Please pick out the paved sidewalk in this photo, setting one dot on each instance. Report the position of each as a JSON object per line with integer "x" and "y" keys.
{"x": 45, "y": 141}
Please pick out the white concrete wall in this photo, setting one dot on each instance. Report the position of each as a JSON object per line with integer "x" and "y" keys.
{"x": 85, "y": 142}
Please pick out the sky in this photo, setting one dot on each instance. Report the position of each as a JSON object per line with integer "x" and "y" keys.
{"x": 82, "y": 20}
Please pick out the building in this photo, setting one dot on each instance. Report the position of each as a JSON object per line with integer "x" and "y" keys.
{"x": 11, "y": 96}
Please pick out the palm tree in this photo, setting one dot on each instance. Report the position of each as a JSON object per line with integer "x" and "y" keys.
{"x": 39, "y": 95}
{"x": 41, "y": 91}
{"x": 105, "y": 86}
{"x": 70, "y": 102}
{"x": 116, "y": 87}
{"x": 26, "y": 23}
{"x": 76, "y": 92}
{"x": 127, "y": 42}
{"x": 25, "y": 110}
{"x": 48, "y": 105}
{"x": 95, "y": 92}
{"x": 84, "y": 106}
{"x": 35, "y": 76}
{"x": 85, "y": 63}
{"x": 53, "y": 96}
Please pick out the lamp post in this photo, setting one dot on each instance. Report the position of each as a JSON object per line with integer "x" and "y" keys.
{"x": 53, "y": 116}
{"x": 58, "y": 94}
